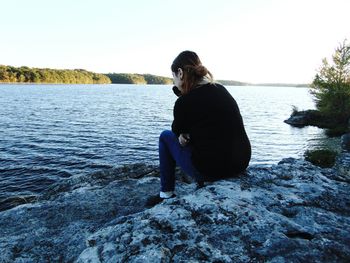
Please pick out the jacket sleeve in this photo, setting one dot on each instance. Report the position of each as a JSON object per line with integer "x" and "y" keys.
{"x": 179, "y": 122}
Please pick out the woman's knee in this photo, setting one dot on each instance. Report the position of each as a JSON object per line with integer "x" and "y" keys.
{"x": 167, "y": 134}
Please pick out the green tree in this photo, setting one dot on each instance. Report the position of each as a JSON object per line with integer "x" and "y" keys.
{"x": 152, "y": 79}
{"x": 127, "y": 78}
{"x": 331, "y": 85}
{"x": 4, "y": 76}
{"x": 10, "y": 74}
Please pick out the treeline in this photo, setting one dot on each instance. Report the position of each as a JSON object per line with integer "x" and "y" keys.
{"x": 125, "y": 78}
{"x": 9, "y": 74}
{"x": 238, "y": 83}
{"x": 232, "y": 83}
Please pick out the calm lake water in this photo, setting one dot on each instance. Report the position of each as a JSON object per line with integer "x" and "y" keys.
{"x": 48, "y": 132}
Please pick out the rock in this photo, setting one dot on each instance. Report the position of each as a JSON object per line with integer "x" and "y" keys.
{"x": 345, "y": 142}
{"x": 290, "y": 212}
{"x": 57, "y": 226}
{"x": 13, "y": 201}
{"x": 342, "y": 166}
{"x": 312, "y": 118}
{"x": 298, "y": 120}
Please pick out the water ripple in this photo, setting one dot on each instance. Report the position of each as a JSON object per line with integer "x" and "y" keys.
{"x": 51, "y": 132}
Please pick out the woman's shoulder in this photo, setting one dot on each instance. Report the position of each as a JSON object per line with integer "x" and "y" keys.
{"x": 218, "y": 85}
{"x": 212, "y": 86}
{"x": 208, "y": 85}
{"x": 201, "y": 90}
{"x": 180, "y": 101}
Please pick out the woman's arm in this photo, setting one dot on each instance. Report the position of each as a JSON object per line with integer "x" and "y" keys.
{"x": 179, "y": 123}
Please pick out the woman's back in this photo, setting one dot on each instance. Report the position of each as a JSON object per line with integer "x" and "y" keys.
{"x": 211, "y": 116}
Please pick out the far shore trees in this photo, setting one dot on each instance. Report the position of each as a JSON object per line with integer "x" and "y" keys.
{"x": 9, "y": 74}
{"x": 127, "y": 78}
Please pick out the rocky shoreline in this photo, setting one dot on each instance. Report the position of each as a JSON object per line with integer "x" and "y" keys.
{"x": 333, "y": 127}
{"x": 290, "y": 212}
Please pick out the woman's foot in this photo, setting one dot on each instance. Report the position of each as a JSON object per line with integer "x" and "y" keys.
{"x": 156, "y": 199}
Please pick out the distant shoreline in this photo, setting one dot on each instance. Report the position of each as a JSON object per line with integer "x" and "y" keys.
{"x": 235, "y": 85}
{"x": 46, "y": 76}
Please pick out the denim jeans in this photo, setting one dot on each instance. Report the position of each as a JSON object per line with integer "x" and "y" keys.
{"x": 171, "y": 153}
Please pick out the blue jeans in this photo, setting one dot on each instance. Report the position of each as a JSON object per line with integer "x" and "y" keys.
{"x": 171, "y": 153}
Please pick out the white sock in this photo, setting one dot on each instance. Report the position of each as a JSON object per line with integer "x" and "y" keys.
{"x": 166, "y": 194}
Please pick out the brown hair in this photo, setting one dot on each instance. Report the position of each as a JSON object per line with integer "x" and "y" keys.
{"x": 193, "y": 70}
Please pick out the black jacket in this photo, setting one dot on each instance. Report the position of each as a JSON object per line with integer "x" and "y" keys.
{"x": 211, "y": 116}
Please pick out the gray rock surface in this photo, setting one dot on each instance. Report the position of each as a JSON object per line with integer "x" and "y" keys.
{"x": 345, "y": 142}
{"x": 290, "y": 212}
{"x": 298, "y": 121}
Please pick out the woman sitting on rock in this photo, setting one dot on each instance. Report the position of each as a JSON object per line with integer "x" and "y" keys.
{"x": 208, "y": 140}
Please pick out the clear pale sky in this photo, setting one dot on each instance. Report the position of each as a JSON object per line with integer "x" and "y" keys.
{"x": 246, "y": 40}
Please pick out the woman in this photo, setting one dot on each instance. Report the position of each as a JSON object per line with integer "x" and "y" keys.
{"x": 208, "y": 140}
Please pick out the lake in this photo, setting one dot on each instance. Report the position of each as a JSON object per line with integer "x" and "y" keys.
{"x": 49, "y": 132}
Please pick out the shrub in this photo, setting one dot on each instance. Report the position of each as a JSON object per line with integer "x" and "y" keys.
{"x": 322, "y": 158}
{"x": 337, "y": 131}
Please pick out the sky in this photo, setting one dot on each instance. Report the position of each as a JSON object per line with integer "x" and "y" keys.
{"x": 256, "y": 41}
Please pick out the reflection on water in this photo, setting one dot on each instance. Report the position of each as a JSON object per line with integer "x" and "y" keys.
{"x": 52, "y": 131}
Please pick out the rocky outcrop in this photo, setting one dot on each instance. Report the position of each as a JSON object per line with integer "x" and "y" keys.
{"x": 312, "y": 118}
{"x": 290, "y": 212}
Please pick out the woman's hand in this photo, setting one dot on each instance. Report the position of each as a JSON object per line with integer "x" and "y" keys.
{"x": 184, "y": 139}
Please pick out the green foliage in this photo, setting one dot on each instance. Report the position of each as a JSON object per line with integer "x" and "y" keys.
{"x": 331, "y": 86}
{"x": 337, "y": 131}
{"x": 321, "y": 158}
{"x": 124, "y": 78}
{"x": 10, "y": 74}
{"x": 152, "y": 79}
